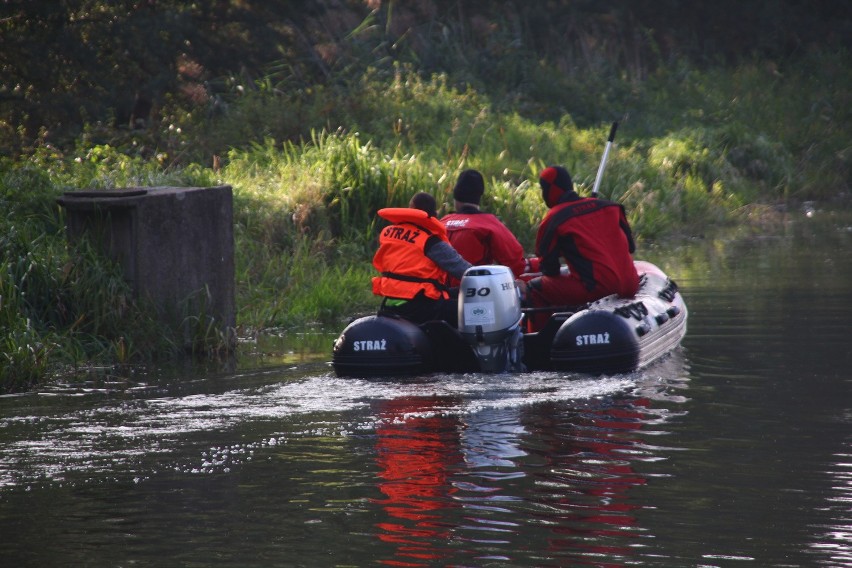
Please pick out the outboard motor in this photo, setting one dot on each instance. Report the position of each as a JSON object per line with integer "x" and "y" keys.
{"x": 490, "y": 317}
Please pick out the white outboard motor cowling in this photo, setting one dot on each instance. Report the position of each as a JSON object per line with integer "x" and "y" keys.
{"x": 490, "y": 317}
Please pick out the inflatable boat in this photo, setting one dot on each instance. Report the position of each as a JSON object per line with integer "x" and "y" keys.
{"x": 608, "y": 336}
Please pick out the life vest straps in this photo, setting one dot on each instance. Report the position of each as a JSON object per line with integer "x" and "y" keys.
{"x": 408, "y": 278}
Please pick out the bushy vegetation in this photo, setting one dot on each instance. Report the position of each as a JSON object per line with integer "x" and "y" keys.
{"x": 700, "y": 145}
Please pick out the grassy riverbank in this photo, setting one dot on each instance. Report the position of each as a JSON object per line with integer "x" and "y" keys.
{"x": 696, "y": 149}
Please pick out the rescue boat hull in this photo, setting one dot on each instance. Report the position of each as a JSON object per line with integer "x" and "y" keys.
{"x": 608, "y": 336}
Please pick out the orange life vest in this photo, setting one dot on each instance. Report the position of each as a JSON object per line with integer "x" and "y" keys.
{"x": 401, "y": 259}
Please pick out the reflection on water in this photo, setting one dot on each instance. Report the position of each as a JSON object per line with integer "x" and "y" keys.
{"x": 463, "y": 466}
{"x": 733, "y": 451}
{"x": 417, "y": 448}
{"x": 501, "y": 482}
{"x": 588, "y": 479}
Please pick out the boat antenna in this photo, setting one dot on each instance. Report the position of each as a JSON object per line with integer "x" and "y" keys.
{"x": 603, "y": 160}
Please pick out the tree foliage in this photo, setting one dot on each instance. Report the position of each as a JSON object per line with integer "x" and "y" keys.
{"x": 64, "y": 63}
{"x": 68, "y": 63}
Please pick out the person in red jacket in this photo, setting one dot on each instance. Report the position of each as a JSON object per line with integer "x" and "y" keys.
{"x": 592, "y": 237}
{"x": 480, "y": 237}
{"x": 414, "y": 261}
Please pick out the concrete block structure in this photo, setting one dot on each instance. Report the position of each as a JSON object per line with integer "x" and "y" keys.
{"x": 175, "y": 246}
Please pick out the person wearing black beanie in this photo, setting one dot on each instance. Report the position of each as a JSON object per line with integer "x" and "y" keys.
{"x": 469, "y": 187}
{"x": 480, "y": 237}
{"x": 591, "y": 237}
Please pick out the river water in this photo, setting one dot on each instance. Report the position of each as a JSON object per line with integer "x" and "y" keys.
{"x": 736, "y": 450}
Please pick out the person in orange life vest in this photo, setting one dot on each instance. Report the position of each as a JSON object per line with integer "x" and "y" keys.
{"x": 414, "y": 260}
{"x": 480, "y": 237}
{"x": 594, "y": 239}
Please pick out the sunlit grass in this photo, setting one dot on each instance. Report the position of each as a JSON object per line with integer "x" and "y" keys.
{"x": 698, "y": 150}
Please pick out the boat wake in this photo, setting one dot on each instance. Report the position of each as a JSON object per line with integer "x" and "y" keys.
{"x": 92, "y": 435}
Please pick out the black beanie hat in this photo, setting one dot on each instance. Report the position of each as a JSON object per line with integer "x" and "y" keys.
{"x": 469, "y": 187}
{"x": 554, "y": 181}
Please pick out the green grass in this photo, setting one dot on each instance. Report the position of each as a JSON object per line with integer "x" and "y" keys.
{"x": 698, "y": 150}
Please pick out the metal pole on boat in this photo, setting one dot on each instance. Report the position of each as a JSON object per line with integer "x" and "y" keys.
{"x": 603, "y": 160}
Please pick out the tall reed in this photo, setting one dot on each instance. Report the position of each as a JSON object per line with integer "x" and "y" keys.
{"x": 696, "y": 148}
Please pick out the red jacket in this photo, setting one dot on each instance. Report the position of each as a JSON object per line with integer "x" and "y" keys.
{"x": 594, "y": 238}
{"x": 401, "y": 259}
{"x": 482, "y": 239}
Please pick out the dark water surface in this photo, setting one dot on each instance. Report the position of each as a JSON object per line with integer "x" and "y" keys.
{"x": 734, "y": 451}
